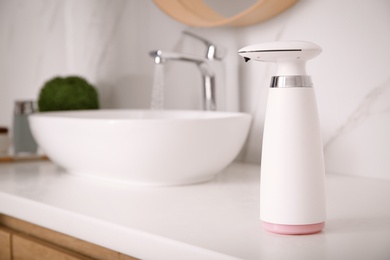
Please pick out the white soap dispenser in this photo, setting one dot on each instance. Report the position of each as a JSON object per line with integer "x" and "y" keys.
{"x": 292, "y": 185}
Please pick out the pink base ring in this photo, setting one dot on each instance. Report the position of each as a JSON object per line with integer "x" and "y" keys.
{"x": 293, "y": 229}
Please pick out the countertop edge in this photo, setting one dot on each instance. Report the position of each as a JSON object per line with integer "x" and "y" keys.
{"x": 115, "y": 237}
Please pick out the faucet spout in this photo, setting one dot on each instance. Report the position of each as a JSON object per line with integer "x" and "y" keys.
{"x": 203, "y": 64}
{"x": 161, "y": 56}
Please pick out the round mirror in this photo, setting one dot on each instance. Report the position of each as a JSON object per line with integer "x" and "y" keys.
{"x": 212, "y": 13}
{"x": 229, "y": 8}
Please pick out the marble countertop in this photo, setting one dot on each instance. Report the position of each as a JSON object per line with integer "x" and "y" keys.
{"x": 214, "y": 220}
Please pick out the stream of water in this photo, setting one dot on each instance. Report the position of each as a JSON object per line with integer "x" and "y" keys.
{"x": 157, "y": 99}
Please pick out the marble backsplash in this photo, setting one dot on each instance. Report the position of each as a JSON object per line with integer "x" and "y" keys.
{"x": 108, "y": 42}
{"x": 351, "y": 78}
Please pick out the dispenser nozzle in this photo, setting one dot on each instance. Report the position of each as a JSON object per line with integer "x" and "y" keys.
{"x": 246, "y": 59}
{"x": 291, "y": 56}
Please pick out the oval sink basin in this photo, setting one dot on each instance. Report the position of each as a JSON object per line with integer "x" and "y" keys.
{"x": 144, "y": 147}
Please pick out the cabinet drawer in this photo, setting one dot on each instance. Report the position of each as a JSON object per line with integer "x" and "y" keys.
{"x": 27, "y": 248}
{"x": 55, "y": 240}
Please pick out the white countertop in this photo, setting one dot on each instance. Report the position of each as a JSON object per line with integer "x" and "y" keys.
{"x": 214, "y": 220}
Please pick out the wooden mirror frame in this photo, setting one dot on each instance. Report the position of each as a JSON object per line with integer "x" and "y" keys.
{"x": 198, "y": 14}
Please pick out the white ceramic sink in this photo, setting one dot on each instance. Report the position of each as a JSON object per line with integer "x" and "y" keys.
{"x": 145, "y": 147}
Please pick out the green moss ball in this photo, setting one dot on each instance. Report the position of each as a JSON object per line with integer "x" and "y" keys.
{"x": 67, "y": 93}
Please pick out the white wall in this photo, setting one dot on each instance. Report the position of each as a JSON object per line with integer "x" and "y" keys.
{"x": 108, "y": 43}
{"x": 105, "y": 41}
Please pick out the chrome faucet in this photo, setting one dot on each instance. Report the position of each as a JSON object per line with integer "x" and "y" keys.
{"x": 203, "y": 64}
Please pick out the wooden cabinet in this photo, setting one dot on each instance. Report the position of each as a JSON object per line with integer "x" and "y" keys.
{"x": 5, "y": 245}
{"x": 20, "y": 240}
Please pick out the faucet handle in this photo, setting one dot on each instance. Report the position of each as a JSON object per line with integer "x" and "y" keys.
{"x": 212, "y": 52}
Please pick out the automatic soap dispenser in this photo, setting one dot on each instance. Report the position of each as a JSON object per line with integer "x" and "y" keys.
{"x": 292, "y": 185}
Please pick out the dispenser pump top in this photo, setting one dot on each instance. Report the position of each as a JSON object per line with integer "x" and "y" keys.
{"x": 291, "y": 56}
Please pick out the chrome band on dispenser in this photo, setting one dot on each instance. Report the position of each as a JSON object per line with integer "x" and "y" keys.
{"x": 291, "y": 81}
